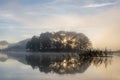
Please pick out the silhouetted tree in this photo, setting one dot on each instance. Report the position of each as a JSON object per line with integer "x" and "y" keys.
{"x": 33, "y": 44}
{"x": 45, "y": 41}
{"x": 64, "y": 41}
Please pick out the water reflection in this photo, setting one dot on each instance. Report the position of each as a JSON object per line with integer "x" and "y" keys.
{"x": 67, "y": 63}
{"x": 3, "y": 57}
{"x": 19, "y": 56}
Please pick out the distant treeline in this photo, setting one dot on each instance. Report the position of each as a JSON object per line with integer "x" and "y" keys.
{"x": 59, "y": 41}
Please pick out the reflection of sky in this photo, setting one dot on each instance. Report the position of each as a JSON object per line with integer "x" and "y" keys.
{"x": 14, "y": 70}
{"x": 98, "y": 19}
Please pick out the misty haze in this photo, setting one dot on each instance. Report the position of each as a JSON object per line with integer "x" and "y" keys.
{"x": 59, "y": 40}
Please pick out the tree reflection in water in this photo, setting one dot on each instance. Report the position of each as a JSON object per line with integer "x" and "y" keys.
{"x": 67, "y": 63}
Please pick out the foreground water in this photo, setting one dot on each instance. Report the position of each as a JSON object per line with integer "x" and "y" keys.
{"x": 18, "y": 66}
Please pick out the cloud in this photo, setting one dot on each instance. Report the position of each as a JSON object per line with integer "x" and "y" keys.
{"x": 102, "y": 27}
{"x": 98, "y": 5}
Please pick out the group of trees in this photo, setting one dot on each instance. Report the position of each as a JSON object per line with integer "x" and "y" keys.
{"x": 58, "y": 41}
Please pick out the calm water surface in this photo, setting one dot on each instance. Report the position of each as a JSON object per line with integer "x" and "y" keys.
{"x": 18, "y": 66}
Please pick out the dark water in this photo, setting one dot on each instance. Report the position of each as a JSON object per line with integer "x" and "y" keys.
{"x": 62, "y": 66}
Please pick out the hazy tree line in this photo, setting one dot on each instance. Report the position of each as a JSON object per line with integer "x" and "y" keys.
{"x": 59, "y": 41}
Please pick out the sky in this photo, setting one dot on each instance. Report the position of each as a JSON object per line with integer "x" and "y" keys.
{"x": 97, "y": 19}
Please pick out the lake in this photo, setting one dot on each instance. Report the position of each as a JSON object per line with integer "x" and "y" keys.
{"x": 52, "y": 66}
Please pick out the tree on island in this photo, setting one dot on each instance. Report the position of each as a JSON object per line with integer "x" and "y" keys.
{"x": 59, "y": 41}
